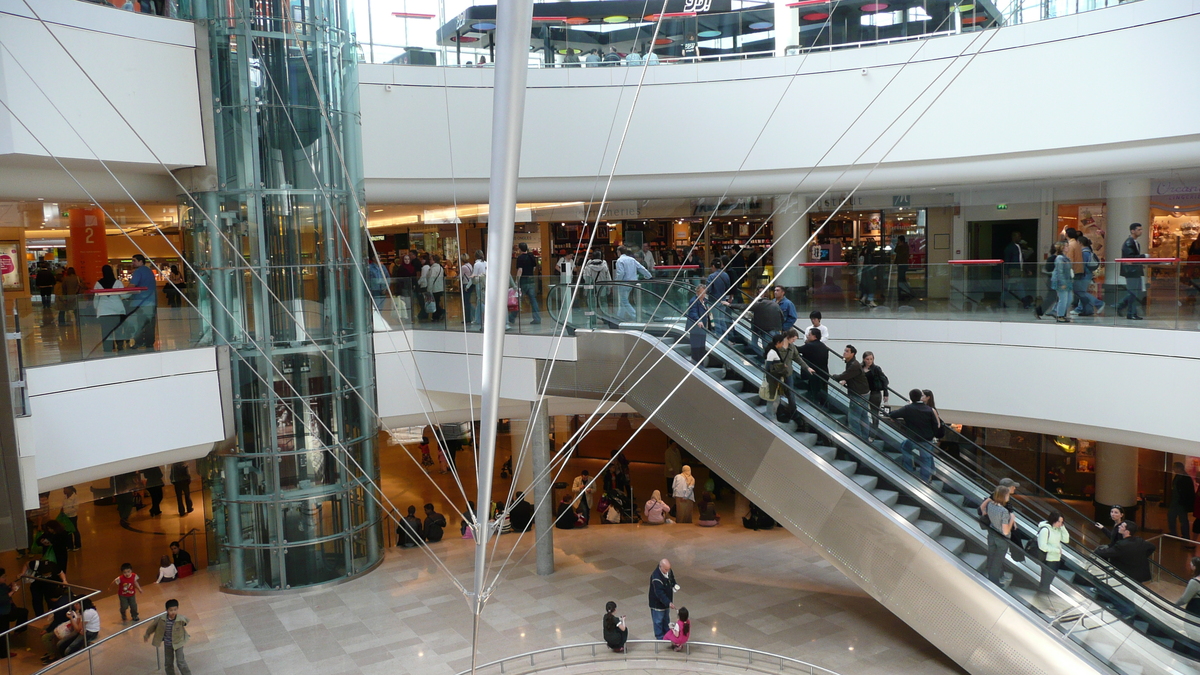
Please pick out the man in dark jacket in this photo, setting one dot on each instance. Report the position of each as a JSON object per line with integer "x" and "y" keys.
{"x": 767, "y": 319}
{"x": 922, "y": 422}
{"x": 1133, "y": 273}
{"x": 662, "y": 596}
{"x": 717, "y": 287}
{"x": 434, "y": 524}
{"x": 816, "y": 365}
{"x": 1131, "y": 554}
{"x": 409, "y": 532}
{"x": 1183, "y": 498}
{"x": 859, "y": 389}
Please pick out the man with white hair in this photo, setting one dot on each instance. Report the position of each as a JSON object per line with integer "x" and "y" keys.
{"x": 662, "y": 596}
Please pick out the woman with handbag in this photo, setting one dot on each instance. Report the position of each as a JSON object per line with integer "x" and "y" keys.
{"x": 1051, "y": 536}
{"x": 110, "y": 309}
{"x": 433, "y": 281}
{"x": 776, "y": 373}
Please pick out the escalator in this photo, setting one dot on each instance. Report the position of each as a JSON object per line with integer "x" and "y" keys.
{"x": 916, "y": 547}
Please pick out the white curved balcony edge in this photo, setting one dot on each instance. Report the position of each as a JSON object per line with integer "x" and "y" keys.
{"x": 1044, "y": 100}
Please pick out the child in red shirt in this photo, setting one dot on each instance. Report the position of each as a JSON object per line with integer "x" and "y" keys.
{"x": 127, "y": 589}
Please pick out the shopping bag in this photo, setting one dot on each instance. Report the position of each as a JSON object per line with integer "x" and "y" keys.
{"x": 514, "y": 300}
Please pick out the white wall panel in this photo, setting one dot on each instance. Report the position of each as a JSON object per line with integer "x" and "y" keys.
{"x": 695, "y": 125}
{"x": 1121, "y": 385}
{"x": 145, "y": 65}
{"x": 88, "y": 421}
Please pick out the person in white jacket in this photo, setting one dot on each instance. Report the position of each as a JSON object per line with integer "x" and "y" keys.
{"x": 479, "y": 281}
{"x": 433, "y": 281}
{"x": 1051, "y": 536}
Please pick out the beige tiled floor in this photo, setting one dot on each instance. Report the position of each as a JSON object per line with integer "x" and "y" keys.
{"x": 765, "y": 590}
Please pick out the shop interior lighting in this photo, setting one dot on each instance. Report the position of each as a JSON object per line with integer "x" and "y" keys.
{"x": 761, "y": 25}
{"x": 815, "y": 16}
{"x": 464, "y": 38}
{"x": 616, "y": 18}
{"x": 663, "y": 41}
{"x": 875, "y": 7}
{"x": 483, "y": 25}
{"x": 964, "y": 8}
{"x": 711, "y": 33}
{"x": 576, "y": 20}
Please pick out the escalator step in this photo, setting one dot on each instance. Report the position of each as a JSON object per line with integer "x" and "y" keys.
{"x": 717, "y": 373}
{"x": 747, "y": 395}
{"x": 957, "y": 500}
{"x": 867, "y": 482}
{"x": 1166, "y": 642}
{"x": 846, "y": 467}
{"x": 908, "y": 512}
{"x": 1068, "y": 575}
{"x": 894, "y": 456}
{"x": 828, "y": 452}
{"x": 929, "y": 527}
{"x": 939, "y": 486}
{"x": 1141, "y": 626}
{"x": 806, "y": 438}
{"x": 952, "y": 544}
{"x": 975, "y": 560}
{"x": 733, "y": 385}
{"x": 889, "y": 497}
{"x": 879, "y": 444}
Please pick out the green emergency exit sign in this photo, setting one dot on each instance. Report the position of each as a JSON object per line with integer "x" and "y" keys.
{"x": 1002, "y": 207}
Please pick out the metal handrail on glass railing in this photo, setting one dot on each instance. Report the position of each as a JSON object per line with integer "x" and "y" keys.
{"x": 72, "y": 659}
{"x": 72, "y": 598}
{"x": 692, "y": 651}
{"x": 1109, "y": 572}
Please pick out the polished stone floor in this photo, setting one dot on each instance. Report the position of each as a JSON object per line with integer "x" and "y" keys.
{"x": 765, "y": 590}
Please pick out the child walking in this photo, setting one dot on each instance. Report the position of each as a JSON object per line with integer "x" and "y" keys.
{"x": 127, "y": 590}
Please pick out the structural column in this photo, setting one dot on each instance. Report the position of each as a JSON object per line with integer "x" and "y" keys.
{"x": 787, "y": 28}
{"x": 1116, "y": 479}
{"x": 543, "y": 496}
{"x": 1128, "y": 201}
{"x": 789, "y": 229}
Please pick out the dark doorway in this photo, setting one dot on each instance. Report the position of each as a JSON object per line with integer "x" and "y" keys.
{"x": 986, "y": 239}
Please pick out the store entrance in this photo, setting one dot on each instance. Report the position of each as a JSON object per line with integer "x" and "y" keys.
{"x": 987, "y": 239}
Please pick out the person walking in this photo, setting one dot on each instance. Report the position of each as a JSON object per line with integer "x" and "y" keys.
{"x": 1062, "y": 280}
{"x": 70, "y": 509}
{"x": 662, "y": 597}
{"x": 684, "y": 491}
{"x": 466, "y": 286}
{"x": 181, "y": 479}
{"x": 616, "y": 633}
{"x": 68, "y": 297}
{"x": 128, "y": 586}
{"x": 923, "y": 423}
{"x": 878, "y": 383}
{"x": 153, "y": 477}
{"x": 1052, "y": 534}
{"x": 627, "y": 269}
{"x": 110, "y": 310}
{"x": 1000, "y": 522}
{"x": 857, "y": 391}
{"x": 1089, "y": 305}
{"x": 1183, "y": 500}
{"x": 143, "y": 304}
{"x": 1134, "y": 274}
{"x": 170, "y": 632}
{"x": 479, "y": 284}
{"x": 527, "y": 270}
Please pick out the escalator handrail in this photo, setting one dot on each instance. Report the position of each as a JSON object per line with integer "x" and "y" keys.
{"x": 1164, "y": 603}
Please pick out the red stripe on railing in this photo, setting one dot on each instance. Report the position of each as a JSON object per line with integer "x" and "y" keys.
{"x": 549, "y": 18}
{"x": 413, "y": 15}
{"x": 676, "y": 267}
{"x": 824, "y": 264}
{"x": 806, "y": 3}
{"x": 1134, "y": 261}
{"x": 975, "y": 262}
{"x": 676, "y": 15}
{"x": 108, "y": 291}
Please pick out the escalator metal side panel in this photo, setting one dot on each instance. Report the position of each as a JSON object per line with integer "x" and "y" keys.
{"x": 936, "y": 594}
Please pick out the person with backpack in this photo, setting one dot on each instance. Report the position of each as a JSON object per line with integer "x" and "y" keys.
{"x": 1052, "y": 535}
{"x": 1089, "y": 305}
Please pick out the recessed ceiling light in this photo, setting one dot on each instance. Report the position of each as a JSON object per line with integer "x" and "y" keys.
{"x": 378, "y": 210}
